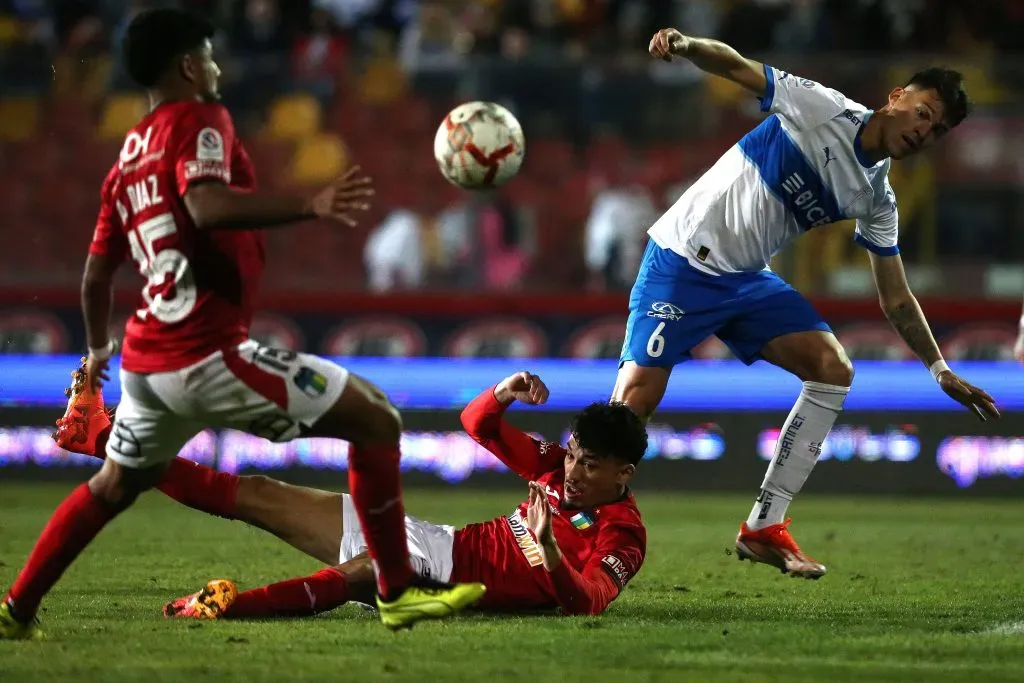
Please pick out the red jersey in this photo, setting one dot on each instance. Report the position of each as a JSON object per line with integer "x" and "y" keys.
{"x": 199, "y": 289}
{"x": 602, "y": 548}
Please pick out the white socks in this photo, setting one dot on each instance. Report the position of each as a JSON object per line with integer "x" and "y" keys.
{"x": 797, "y": 451}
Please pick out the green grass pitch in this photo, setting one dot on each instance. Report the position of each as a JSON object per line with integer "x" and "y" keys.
{"x": 920, "y": 590}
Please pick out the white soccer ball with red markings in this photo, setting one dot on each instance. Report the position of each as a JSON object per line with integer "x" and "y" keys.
{"x": 479, "y": 145}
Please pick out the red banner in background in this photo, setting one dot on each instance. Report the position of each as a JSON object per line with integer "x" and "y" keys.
{"x": 944, "y": 311}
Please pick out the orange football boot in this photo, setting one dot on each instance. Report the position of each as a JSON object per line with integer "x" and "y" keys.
{"x": 85, "y": 418}
{"x": 775, "y": 546}
{"x": 209, "y": 603}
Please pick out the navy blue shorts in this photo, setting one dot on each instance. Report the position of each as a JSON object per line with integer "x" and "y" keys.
{"x": 673, "y": 307}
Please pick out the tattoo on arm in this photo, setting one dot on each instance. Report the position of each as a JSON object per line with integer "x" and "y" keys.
{"x": 909, "y": 322}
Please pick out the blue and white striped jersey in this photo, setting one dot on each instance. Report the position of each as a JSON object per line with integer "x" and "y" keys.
{"x": 800, "y": 168}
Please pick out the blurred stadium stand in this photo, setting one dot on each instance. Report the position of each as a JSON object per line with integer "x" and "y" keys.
{"x": 612, "y": 139}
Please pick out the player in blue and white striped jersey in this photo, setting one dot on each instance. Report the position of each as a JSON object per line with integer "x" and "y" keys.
{"x": 818, "y": 158}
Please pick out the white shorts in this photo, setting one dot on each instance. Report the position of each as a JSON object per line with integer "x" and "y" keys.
{"x": 255, "y": 389}
{"x": 430, "y": 545}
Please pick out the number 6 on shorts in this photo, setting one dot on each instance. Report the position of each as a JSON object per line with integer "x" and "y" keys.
{"x": 656, "y": 343}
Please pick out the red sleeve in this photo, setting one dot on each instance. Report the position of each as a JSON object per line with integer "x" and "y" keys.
{"x": 482, "y": 419}
{"x": 108, "y": 238}
{"x": 204, "y": 147}
{"x": 617, "y": 558}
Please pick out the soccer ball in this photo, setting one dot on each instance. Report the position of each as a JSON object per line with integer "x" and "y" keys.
{"x": 479, "y": 145}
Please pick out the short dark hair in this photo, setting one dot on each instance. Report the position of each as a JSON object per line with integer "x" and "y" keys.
{"x": 610, "y": 430}
{"x": 949, "y": 84}
{"x": 156, "y": 38}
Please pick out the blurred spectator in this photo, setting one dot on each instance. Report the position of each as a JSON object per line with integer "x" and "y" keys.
{"x": 505, "y": 244}
{"x": 393, "y": 255}
{"x": 259, "y": 45}
{"x": 616, "y": 233}
{"x": 431, "y": 41}
{"x": 318, "y": 56}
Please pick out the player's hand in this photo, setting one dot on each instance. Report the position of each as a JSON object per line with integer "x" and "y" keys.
{"x": 538, "y": 514}
{"x": 96, "y": 372}
{"x": 668, "y": 42}
{"x": 1018, "y": 347}
{"x": 349, "y": 193}
{"x": 522, "y": 387}
{"x": 978, "y": 400}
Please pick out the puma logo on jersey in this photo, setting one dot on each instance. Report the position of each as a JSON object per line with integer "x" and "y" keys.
{"x": 828, "y": 156}
{"x": 805, "y": 201}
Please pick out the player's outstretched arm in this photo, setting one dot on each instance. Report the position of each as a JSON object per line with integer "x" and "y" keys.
{"x": 906, "y": 317}
{"x": 214, "y": 205}
{"x": 711, "y": 56}
{"x": 483, "y": 419}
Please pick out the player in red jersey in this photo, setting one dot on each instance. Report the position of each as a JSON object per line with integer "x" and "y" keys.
{"x": 573, "y": 544}
{"x": 182, "y": 203}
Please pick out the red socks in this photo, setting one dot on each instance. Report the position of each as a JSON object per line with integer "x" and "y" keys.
{"x": 191, "y": 484}
{"x": 374, "y": 482}
{"x": 200, "y": 487}
{"x": 71, "y": 528}
{"x": 309, "y": 595}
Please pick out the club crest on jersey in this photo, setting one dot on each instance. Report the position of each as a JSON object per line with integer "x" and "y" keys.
{"x": 581, "y": 520}
{"x": 310, "y": 382}
{"x": 665, "y": 311}
{"x": 209, "y": 145}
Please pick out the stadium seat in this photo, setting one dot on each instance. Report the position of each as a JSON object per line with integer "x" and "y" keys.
{"x": 550, "y": 158}
{"x": 10, "y": 30}
{"x": 69, "y": 118}
{"x": 319, "y": 159}
{"x": 18, "y": 118}
{"x": 382, "y": 81}
{"x": 293, "y": 117}
{"x": 411, "y": 119}
{"x": 120, "y": 112}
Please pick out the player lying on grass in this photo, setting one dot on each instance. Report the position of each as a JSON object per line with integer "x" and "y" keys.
{"x": 818, "y": 158}
{"x": 573, "y": 544}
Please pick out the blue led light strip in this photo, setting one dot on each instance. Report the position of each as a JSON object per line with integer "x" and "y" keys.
{"x": 441, "y": 383}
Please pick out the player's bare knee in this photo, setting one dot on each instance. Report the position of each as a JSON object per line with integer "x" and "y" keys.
{"x": 255, "y": 495}
{"x": 834, "y": 367}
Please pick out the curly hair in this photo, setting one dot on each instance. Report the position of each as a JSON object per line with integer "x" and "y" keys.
{"x": 610, "y": 430}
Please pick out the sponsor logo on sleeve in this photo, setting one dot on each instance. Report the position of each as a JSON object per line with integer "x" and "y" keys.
{"x": 617, "y": 568}
{"x": 206, "y": 169}
{"x": 209, "y": 145}
{"x": 524, "y": 538}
